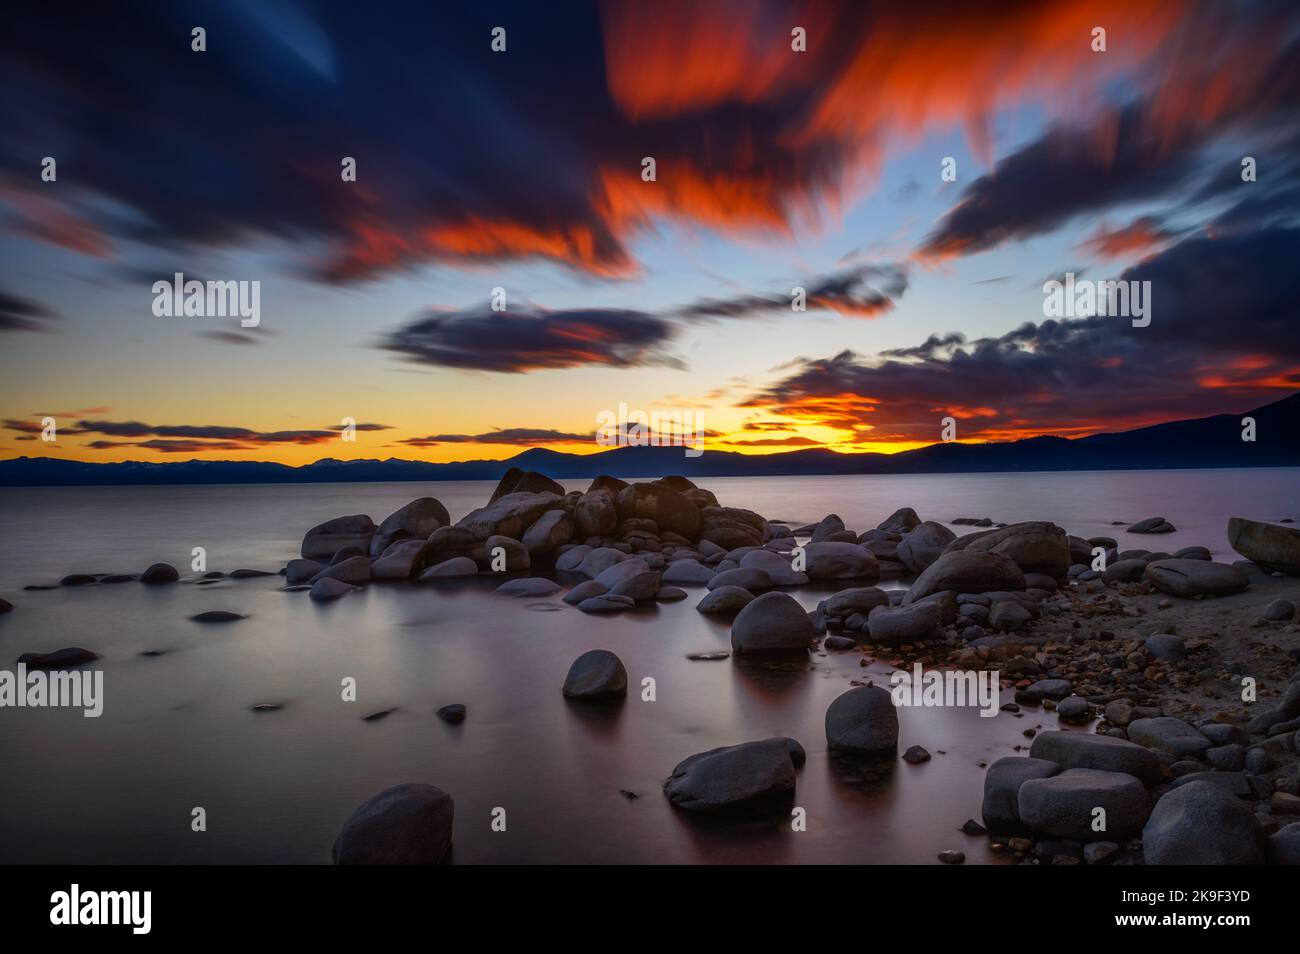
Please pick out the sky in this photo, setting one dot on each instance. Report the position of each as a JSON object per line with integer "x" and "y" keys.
{"x": 795, "y": 145}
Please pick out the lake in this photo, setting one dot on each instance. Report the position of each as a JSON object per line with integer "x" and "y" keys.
{"x": 178, "y": 732}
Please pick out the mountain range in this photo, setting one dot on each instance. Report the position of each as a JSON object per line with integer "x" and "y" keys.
{"x": 1203, "y": 442}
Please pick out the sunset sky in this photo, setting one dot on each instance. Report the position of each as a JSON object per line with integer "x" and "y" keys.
{"x": 522, "y": 170}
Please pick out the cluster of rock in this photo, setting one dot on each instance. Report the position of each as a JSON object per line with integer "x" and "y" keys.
{"x": 1151, "y": 787}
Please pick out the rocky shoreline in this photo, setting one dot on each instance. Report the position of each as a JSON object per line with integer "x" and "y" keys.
{"x": 1179, "y": 672}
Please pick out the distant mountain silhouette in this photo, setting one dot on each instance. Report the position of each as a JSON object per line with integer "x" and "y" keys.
{"x": 1204, "y": 442}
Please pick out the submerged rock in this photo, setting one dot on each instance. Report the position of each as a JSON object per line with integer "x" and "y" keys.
{"x": 217, "y": 616}
{"x": 160, "y": 573}
{"x": 404, "y": 825}
{"x": 1152, "y": 525}
{"x": 772, "y": 623}
{"x": 328, "y": 589}
{"x": 449, "y": 569}
{"x": 58, "y": 659}
{"x": 863, "y": 721}
{"x": 453, "y": 714}
{"x": 529, "y": 586}
{"x": 750, "y": 777}
{"x": 596, "y": 676}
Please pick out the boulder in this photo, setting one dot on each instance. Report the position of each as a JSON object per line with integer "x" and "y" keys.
{"x": 607, "y": 603}
{"x": 552, "y": 529}
{"x": 328, "y": 589}
{"x": 417, "y": 519}
{"x": 830, "y": 525}
{"x": 1265, "y": 544}
{"x": 584, "y": 591}
{"x": 1034, "y": 546}
{"x": 610, "y": 484}
{"x": 498, "y": 547}
{"x": 893, "y": 626}
{"x": 160, "y": 573}
{"x": 1165, "y": 646}
{"x": 925, "y": 544}
{"x": 856, "y": 599}
{"x": 398, "y": 561}
{"x": 509, "y": 515}
{"x": 595, "y": 514}
{"x": 1189, "y": 578}
{"x": 596, "y": 676}
{"x": 1083, "y": 750}
{"x": 748, "y": 578}
{"x": 1284, "y": 845}
{"x": 750, "y": 777}
{"x": 58, "y": 659}
{"x": 902, "y": 520}
{"x": 1002, "y": 791}
{"x": 403, "y": 825}
{"x": 777, "y": 567}
{"x": 838, "y": 560}
{"x": 1064, "y": 805}
{"x": 665, "y": 506}
{"x": 968, "y": 571}
{"x": 445, "y": 543}
{"x": 732, "y": 527}
{"x": 300, "y": 571}
{"x": 688, "y": 572}
{"x": 1279, "y": 611}
{"x": 772, "y": 623}
{"x": 1152, "y": 525}
{"x": 631, "y": 578}
{"x": 450, "y": 569}
{"x": 725, "y": 600}
{"x": 1009, "y": 615}
{"x": 516, "y": 481}
{"x": 529, "y": 586}
{"x": 863, "y": 721}
{"x": 599, "y": 560}
{"x": 1200, "y": 824}
{"x": 326, "y": 539}
{"x": 354, "y": 570}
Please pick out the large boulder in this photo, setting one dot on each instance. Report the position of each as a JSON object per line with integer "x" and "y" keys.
{"x": 895, "y": 625}
{"x": 516, "y": 481}
{"x": 631, "y": 578}
{"x": 863, "y": 721}
{"x": 509, "y": 515}
{"x": 1035, "y": 546}
{"x": 1065, "y": 805}
{"x": 403, "y": 825}
{"x": 1002, "y": 791}
{"x": 665, "y": 506}
{"x": 772, "y": 623}
{"x": 777, "y": 567}
{"x": 1169, "y": 735}
{"x": 398, "y": 560}
{"x": 417, "y": 519}
{"x": 856, "y": 599}
{"x": 354, "y": 570}
{"x": 498, "y": 548}
{"x": 1201, "y": 824}
{"x": 595, "y": 514}
{"x": 596, "y": 676}
{"x": 552, "y": 529}
{"x": 752, "y": 776}
{"x": 324, "y": 540}
{"x": 968, "y": 571}
{"x": 446, "y": 543}
{"x": 1266, "y": 544}
{"x": 902, "y": 520}
{"x": 690, "y": 572}
{"x": 924, "y": 545}
{"x": 732, "y": 527}
{"x": 1084, "y": 750}
{"x": 830, "y": 525}
{"x": 725, "y": 601}
{"x": 749, "y": 578}
{"x": 839, "y": 560}
{"x": 1189, "y": 578}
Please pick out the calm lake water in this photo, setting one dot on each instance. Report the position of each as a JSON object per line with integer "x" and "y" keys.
{"x": 177, "y": 730}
